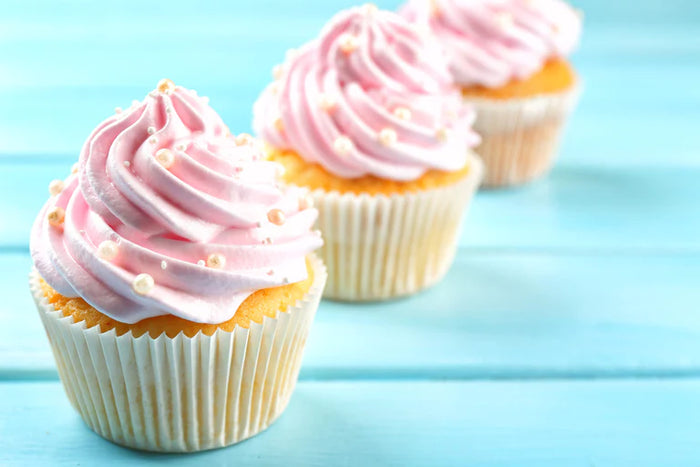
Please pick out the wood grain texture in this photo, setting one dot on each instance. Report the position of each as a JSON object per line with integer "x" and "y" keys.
{"x": 599, "y": 423}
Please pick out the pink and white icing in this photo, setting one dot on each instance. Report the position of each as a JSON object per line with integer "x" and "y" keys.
{"x": 491, "y": 42}
{"x": 213, "y": 200}
{"x": 371, "y": 96}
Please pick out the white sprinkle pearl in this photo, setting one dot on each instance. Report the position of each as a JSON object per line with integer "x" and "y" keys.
{"x": 244, "y": 139}
{"x": 118, "y": 110}
{"x": 504, "y": 20}
{"x": 56, "y": 216}
{"x": 165, "y": 157}
{"x": 342, "y": 145}
{"x": 327, "y": 103}
{"x": 388, "y": 136}
{"x": 276, "y": 216}
{"x": 108, "y": 250}
{"x": 349, "y": 43}
{"x": 166, "y": 86}
{"x": 164, "y": 265}
{"x": 201, "y": 262}
{"x": 143, "y": 284}
{"x": 56, "y": 187}
{"x": 369, "y": 9}
{"x": 127, "y": 164}
{"x": 216, "y": 261}
{"x": 306, "y": 202}
{"x": 75, "y": 168}
{"x": 277, "y": 71}
{"x": 153, "y": 140}
{"x": 442, "y": 134}
{"x": 151, "y": 130}
{"x": 402, "y": 113}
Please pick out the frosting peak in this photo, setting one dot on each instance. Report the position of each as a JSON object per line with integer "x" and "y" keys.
{"x": 491, "y": 42}
{"x": 371, "y": 96}
{"x": 168, "y": 214}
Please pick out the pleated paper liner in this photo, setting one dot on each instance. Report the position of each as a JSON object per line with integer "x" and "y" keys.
{"x": 521, "y": 137}
{"x": 181, "y": 394}
{"x": 381, "y": 247}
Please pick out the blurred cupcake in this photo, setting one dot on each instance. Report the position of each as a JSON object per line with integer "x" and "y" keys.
{"x": 175, "y": 279}
{"x": 365, "y": 116}
{"x": 509, "y": 57}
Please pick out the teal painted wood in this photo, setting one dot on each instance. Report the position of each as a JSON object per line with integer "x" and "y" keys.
{"x": 511, "y": 315}
{"x": 601, "y": 423}
{"x": 576, "y": 209}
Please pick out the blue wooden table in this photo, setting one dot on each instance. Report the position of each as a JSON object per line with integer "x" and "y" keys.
{"x": 567, "y": 333}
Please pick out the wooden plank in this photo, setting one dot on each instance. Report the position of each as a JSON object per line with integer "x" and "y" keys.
{"x": 495, "y": 315}
{"x": 577, "y": 208}
{"x": 404, "y": 424}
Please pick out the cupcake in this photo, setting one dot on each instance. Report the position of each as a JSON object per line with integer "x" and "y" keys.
{"x": 509, "y": 58}
{"x": 175, "y": 279}
{"x": 368, "y": 119}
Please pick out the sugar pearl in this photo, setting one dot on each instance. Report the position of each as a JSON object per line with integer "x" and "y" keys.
{"x": 504, "y": 20}
{"x": 343, "y": 145}
{"x": 165, "y": 86}
{"x": 327, "y": 102}
{"x": 201, "y": 262}
{"x": 388, "y": 136}
{"x": 151, "y": 130}
{"x": 143, "y": 284}
{"x": 118, "y": 110}
{"x": 442, "y": 134}
{"x": 276, "y": 216}
{"x": 306, "y": 202}
{"x": 108, "y": 250}
{"x": 56, "y": 187}
{"x": 216, "y": 261}
{"x": 369, "y": 9}
{"x": 277, "y": 71}
{"x": 164, "y": 265}
{"x": 165, "y": 157}
{"x": 244, "y": 139}
{"x": 402, "y": 113}
{"x": 348, "y": 43}
{"x": 153, "y": 140}
{"x": 75, "y": 168}
{"x": 56, "y": 216}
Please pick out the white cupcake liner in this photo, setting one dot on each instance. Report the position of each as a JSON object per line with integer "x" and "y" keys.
{"x": 381, "y": 247}
{"x": 520, "y": 137}
{"x": 181, "y": 394}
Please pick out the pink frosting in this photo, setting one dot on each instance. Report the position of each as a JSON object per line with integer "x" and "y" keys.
{"x": 491, "y": 42}
{"x": 373, "y": 95}
{"x": 213, "y": 200}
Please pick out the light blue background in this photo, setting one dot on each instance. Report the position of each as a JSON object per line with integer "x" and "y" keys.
{"x": 567, "y": 333}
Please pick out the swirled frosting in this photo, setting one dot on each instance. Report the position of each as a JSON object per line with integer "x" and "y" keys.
{"x": 491, "y": 42}
{"x": 162, "y": 189}
{"x": 371, "y": 96}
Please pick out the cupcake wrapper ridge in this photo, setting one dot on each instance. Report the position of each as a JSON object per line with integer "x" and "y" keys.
{"x": 381, "y": 247}
{"x": 181, "y": 394}
{"x": 520, "y": 137}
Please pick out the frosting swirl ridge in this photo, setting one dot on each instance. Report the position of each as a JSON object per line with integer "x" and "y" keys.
{"x": 167, "y": 213}
{"x": 371, "y": 96}
{"x": 492, "y": 42}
